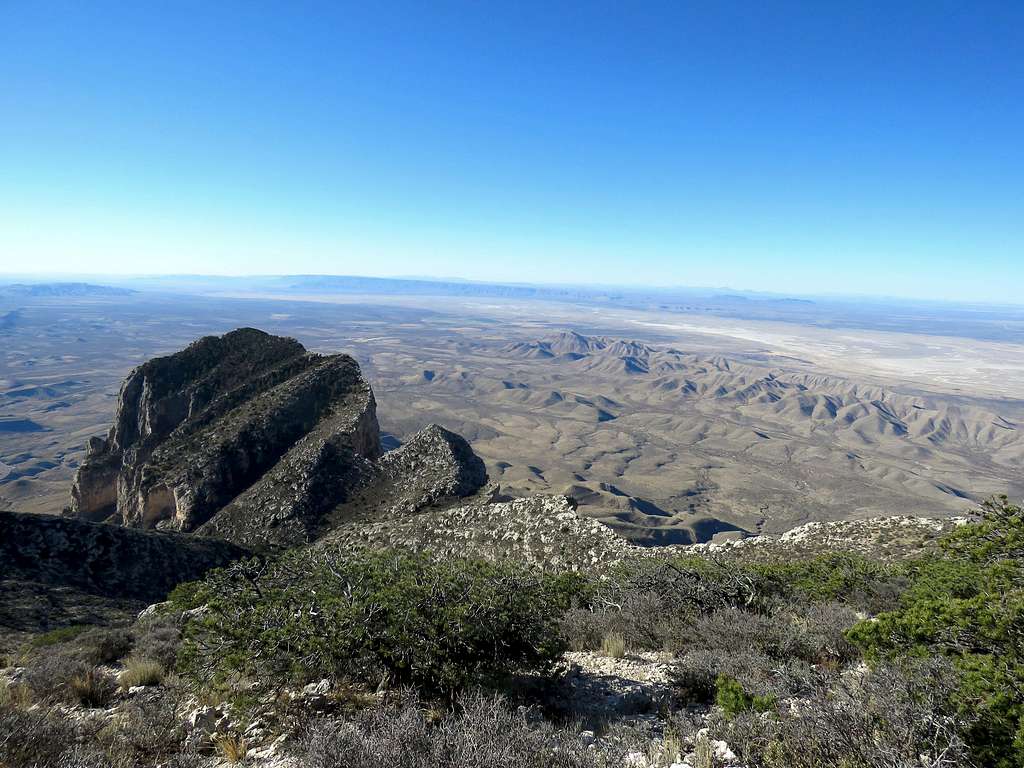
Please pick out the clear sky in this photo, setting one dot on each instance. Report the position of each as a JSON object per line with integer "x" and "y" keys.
{"x": 809, "y": 147}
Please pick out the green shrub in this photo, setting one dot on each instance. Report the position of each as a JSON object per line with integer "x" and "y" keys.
{"x": 315, "y": 614}
{"x": 57, "y": 636}
{"x": 734, "y": 700}
{"x": 967, "y": 603}
{"x": 833, "y": 577}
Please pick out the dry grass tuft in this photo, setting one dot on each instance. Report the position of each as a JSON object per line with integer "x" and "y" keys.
{"x": 15, "y": 696}
{"x": 232, "y": 747}
{"x": 613, "y": 645}
{"x": 91, "y": 688}
{"x": 140, "y": 672}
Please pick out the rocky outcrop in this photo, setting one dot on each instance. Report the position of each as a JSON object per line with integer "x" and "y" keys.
{"x": 249, "y": 438}
{"x": 545, "y": 530}
{"x": 324, "y": 483}
{"x": 104, "y": 560}
{"x": 878, "y": 538}
{"x": 195, "y": 429}
{"x": 433, "y": 468}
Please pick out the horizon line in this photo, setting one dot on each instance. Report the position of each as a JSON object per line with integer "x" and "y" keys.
{"x": 53, "y": 277}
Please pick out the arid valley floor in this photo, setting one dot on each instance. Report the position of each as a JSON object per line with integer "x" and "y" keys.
{"x": 672, "y": 425}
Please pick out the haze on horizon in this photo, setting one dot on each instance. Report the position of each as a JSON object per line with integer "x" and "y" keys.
{"x": 789, "y": 148}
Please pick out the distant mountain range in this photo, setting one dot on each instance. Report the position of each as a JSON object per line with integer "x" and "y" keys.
{"x": 46, "y": 290}
{"x": 984, "y": 322}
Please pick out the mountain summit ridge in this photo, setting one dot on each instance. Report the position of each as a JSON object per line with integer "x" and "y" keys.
{"x": 250, "y": 438}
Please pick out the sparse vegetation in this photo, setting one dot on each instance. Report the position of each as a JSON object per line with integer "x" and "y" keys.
{"x": 91, "y": 688}
{"x": 613, "y": 645}
{"x": 148, "y": 731}
{"x": 480, "y": 732}
{"x": 891, "y": 716}
{"x": 157, "y": 639}
{"x": 49, "y": 674}
{"x": 139, "y": 671}
{"x": 774, "y": 659}
{"x": 232, "y": 747}
{"x": 15, "y": 696}
{"x": 33, "y": 738}
{"x": 101, "y": 645}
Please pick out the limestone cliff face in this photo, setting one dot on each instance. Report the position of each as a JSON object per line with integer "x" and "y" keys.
{"x": 249, "y": 438}
{"x": 195, "y": 429}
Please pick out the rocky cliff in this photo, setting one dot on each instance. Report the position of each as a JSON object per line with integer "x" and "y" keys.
{"x": 194, "y": 429}
{"x": 323, "y": 484}
{"x": 250, "y": 438}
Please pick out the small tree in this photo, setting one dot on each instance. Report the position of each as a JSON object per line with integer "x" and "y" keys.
{"x": 734, "y": 700}
{"x": 967, "y": 603}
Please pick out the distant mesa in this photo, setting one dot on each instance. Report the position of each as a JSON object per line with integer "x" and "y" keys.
{"x": 735, "y": 298}
{"x": 60, "y": 290}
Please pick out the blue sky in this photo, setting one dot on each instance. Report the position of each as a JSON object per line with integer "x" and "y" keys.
{"x": 795, "y": 147}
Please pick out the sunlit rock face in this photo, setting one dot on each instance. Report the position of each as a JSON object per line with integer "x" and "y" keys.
{"x": 248, "y": 437}
{"x": 195, "y": 429}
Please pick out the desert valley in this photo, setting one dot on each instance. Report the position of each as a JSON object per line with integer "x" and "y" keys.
{"x": 671, "y": 425}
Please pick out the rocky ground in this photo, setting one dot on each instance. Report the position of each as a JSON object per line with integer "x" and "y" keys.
{"x": 883, "y": 538}
{"x": 543, "y": 530}
{"x": 619, "y": 711}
